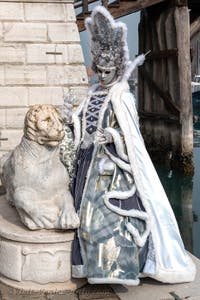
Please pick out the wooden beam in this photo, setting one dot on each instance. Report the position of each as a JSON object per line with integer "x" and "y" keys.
{"x": 85, "y": 6}
{"x": 163, "y": 94}
{"x": 158, "y": 117}
{"x": 125, "y": 8}
{"x": 194, "y": 27}
{"x": 181, "y": 2}
{"x": 162, "y": 54}
{"x": 135, "y": 6}
{"x": 182, "y": 29}
{"x": 40, "y": 1}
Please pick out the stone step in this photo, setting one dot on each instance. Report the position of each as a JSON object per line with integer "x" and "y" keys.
{"x": 150, "y": 289}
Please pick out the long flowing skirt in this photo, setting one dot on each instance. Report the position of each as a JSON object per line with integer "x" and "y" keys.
{"x": 108, "y": 252}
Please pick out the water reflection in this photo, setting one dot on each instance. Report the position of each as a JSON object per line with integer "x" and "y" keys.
{"x": 179, "y": 191}
{"x": 184, "y": 191}
{"x": 196, "y": 201}
{"x": 184, "y": 195}
{"x": 196, "y": 179}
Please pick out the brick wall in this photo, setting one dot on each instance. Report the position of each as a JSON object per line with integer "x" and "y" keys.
{"x": 30, "y": 71}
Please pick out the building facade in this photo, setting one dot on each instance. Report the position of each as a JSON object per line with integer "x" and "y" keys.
{"x": 40, "y": 60}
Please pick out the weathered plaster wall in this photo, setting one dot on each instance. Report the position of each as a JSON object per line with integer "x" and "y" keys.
{"x": 30, "y": 71}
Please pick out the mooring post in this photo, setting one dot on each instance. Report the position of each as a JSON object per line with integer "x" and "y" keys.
{"x": 165, "y": 101}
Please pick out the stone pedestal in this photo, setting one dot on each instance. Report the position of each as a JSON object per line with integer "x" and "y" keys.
{"x": 34, "y": 260}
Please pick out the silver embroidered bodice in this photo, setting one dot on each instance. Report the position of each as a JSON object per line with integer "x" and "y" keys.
{"x": 91, "y": 118}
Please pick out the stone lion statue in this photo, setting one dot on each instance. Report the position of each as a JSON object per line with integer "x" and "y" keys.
{"x": 36, "y": 181}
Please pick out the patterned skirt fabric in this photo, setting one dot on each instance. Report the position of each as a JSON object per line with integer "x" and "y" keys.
{"x": 108, "y": 251}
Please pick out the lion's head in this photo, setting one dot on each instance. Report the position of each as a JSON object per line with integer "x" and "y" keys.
{"x": 44, "y": 125}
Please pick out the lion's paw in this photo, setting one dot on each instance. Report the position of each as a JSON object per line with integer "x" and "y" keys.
{"x": 69, "y": 220}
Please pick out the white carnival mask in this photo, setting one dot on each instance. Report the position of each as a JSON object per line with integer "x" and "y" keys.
{"x": 106, "y": 75}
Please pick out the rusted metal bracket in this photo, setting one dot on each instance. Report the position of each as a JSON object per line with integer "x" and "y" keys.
{"x": 162, "y": 54}
{"x": 163, "y": 94}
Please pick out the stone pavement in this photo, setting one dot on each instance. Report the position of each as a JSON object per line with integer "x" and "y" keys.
{"x": 88, "y": 292}
{"x": 152, "y": 290}
{"x": 147, "y": 290}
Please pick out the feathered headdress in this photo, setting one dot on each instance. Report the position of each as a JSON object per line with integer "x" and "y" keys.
{"x": 108, "y": 43}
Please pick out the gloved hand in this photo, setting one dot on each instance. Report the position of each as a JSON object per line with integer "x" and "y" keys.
{"x": 67, "y": 109}
{"x": 103, "y": 136}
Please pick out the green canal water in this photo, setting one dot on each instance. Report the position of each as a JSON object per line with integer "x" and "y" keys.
{"x": 184, "y": 195}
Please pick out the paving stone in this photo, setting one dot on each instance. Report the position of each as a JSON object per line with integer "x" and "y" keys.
{"x": 62, "y": 296}
{"x": 150, "y": 289}
{"x": 8, "y": 293}
{"x": 100, "y": 291}
{"x": 23, "y": 297}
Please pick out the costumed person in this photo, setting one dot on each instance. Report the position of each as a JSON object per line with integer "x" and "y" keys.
{"x": 127, "y": 227}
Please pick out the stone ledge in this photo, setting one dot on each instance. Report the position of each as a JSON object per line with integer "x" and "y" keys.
{"x": 19, "y": 288}
{"x": 11, "y": 228}
{"x": 94, "y": 291}
{"x": 37, "y": 260}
